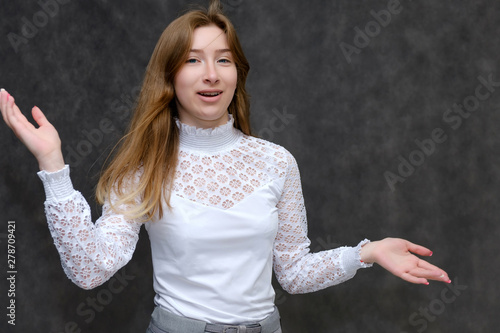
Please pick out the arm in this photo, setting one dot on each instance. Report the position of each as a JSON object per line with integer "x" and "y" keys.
{"x": 298, "y": 270}
{"x": 90, "y": 254}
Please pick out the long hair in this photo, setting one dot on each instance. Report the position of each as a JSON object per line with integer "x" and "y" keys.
{"x": 141, "y": 173}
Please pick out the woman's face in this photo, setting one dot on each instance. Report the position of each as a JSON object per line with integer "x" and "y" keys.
{"x": 205, "y": 84}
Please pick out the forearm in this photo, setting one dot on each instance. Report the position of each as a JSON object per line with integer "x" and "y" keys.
{"x": 315, "y": 271}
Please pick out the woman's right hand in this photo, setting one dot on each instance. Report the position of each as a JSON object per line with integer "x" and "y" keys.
{"x": 43, "y": 142}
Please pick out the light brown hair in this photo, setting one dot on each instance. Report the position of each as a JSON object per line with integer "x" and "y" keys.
{"x": 150, "y": 147}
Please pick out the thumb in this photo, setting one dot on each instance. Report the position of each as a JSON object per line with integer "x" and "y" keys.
{"x": 418, "y": 249}
{"x": 39, "y": 117}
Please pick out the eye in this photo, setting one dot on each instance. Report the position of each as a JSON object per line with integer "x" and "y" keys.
{"x": 225, "y": 61}
{"x": 191, "y": 61}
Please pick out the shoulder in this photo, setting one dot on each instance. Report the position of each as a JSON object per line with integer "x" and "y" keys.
{"x": 271, "y": 151}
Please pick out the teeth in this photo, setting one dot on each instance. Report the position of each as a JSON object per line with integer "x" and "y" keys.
{"x": 210, "y": 94}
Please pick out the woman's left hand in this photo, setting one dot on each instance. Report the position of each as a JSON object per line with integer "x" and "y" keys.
{"x": 396, "y": 256}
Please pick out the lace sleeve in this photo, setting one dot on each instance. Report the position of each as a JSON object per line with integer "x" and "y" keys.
{"x": 90, "y": 253}
{"x": 298, "y": 270}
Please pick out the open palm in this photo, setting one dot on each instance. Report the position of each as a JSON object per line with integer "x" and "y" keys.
{"x": 398, "y": 257}
{"x": 43, "y": 142}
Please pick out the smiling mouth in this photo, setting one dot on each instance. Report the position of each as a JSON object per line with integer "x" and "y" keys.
{"x": 210, "y": 94}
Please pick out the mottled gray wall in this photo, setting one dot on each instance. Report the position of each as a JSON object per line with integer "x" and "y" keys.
{"x": 349, "y": 105}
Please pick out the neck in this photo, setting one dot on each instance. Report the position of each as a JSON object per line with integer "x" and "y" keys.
{"x": 208, "y": 139}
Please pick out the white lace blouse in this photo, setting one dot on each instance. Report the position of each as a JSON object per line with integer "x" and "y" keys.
{"x": 237, "y": 212}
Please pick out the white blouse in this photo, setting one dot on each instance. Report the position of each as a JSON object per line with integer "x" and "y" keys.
{"x": 237, "y": 212}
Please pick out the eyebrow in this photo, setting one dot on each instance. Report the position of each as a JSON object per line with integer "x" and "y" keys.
{"x": 216, "y": 51}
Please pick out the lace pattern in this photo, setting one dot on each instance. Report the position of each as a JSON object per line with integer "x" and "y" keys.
{"x": 222, "y": 180}
{"x": 91, "y": 253}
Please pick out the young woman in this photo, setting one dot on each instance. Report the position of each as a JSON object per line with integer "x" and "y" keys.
{"x": 222, "y": 208}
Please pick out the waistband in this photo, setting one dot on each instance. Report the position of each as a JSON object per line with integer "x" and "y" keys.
{"x": 171, "y": 323}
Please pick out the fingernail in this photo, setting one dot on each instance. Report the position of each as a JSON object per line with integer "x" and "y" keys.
{"x": 427, "y": 283}
{"x": 431, "y": 254}
{"x": 2, "y": 89}
{"x": 449, "y": 281}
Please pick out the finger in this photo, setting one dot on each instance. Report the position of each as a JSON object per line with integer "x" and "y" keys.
{"x": 443, "y": 278}
{"x": 3, "y": 105}
{"x": 2, "y": 93}
{"x": 425, "y": 273}
{"x": 414, "y": 279}
{"x": 16, "y": 117}
{"x": 10, "y": 110}
{"x": 21, "y": 127}
{"x": 433, "y": 272}
{"x": 418, "y": 249}
{"x": 427, "y": 265}
{"x": 39, "y": 117}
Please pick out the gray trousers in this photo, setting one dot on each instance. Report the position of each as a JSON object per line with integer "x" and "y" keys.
{"x": 165, "y": 322}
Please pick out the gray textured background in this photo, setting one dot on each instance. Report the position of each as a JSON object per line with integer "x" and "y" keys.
{"x": 347, "y": 124}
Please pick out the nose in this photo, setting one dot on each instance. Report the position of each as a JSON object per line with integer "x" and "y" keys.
{"x": 211, "y": 75}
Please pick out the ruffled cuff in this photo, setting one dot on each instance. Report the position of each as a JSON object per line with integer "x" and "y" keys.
{"x": 351, "y": 258}
{"x": 57, "y": 185}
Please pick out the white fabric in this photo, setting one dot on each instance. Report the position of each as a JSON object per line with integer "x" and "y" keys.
{"x": 238, "y": 211}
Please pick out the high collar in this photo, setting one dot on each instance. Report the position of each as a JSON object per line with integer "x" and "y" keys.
{"x": 208, "y": 139}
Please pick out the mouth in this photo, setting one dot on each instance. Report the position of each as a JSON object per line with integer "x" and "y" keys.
{"x": 210, "y": 93}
